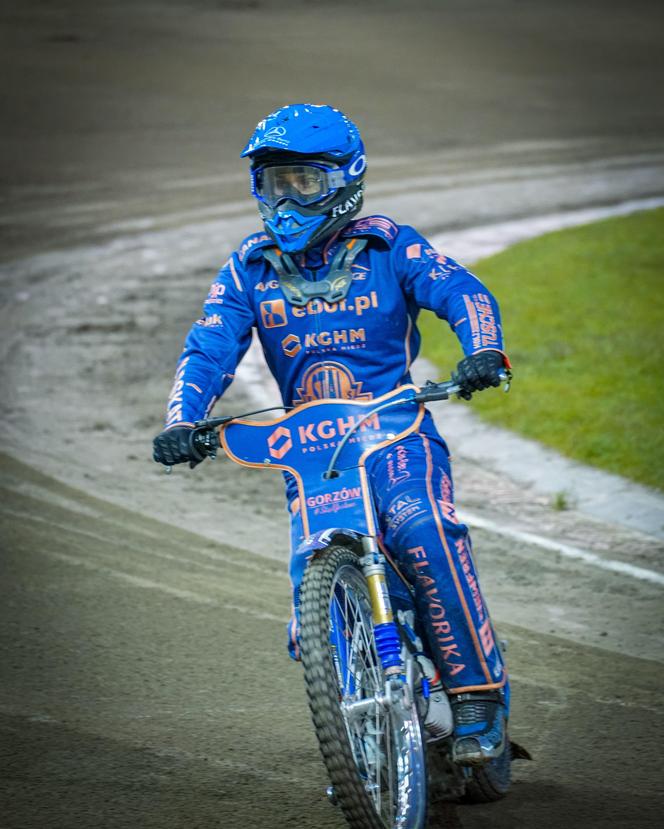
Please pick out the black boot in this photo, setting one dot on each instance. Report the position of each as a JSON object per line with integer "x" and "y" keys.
{"x": 480, "y": 727}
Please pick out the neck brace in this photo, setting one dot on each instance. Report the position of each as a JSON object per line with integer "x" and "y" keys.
{"x": 298, "y": 290}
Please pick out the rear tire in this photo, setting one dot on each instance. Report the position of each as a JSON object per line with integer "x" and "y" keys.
{"x": 366, "y": 755}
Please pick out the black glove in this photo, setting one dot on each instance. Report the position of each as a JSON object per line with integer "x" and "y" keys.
{"x": 479, "y": 371}
{"x": 174, "y": 446}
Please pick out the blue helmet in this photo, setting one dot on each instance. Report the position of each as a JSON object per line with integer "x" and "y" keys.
{"x": 307, "y": 173}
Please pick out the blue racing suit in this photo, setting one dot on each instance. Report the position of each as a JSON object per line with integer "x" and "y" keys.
{"x": 362, "y": 347}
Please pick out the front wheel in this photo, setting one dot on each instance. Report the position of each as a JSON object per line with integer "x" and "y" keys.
{"x": 369, "y": 731}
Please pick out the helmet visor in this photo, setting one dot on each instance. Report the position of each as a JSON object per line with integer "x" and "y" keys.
{"x": 301, "y": 183}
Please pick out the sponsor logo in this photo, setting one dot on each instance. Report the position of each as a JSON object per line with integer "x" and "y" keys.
{"x": 402, "y": 510}
{"x": 357, "y": 305}
{"x": 358, "y": 166}
{"x": 329, "y": 380}
{"x": 334, "y": 501}
{"x": 330, "y": 430}
{"x": 446, "y": 500}
{"x": 273, "y": 313}
{"x": 397, "y": 466}
{"x": 483, "y": 327}
{"x": 340, "y": 336}
{"x": 249, "y": 244}
{"x": 359, "y": 275}
{"x": 214, "y": 297}
{"x": 443, "y": 267}
{"x": 291, "y": 345}
{"x": 432, "y": 253}
{"x": 345, "y": 494}
{"x": 280, "y": 442}
{"x": 275, "y": 132}
{"x": 384, "y": 226}
{"x": 174, "y": 406}
{"x": 486, "y": 320}
{"x": 210, "y": 321}
{"x": 486, "y": 638}
{"x": 270, "y": 285}
{"x": 469, "y": 573}
{"x": 348, "y": 205}
{"x": 339, "y": 339}
{"x": 323, "y": 434}
{"x": 441, "y": 628}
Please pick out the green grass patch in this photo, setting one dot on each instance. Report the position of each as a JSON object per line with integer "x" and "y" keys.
{"x": 583, "y": 315}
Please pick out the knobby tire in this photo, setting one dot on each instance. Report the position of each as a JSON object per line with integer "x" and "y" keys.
{"x": 323, "y": 691}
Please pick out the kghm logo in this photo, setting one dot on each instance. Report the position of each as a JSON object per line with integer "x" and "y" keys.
{"x": 291, "y": 345}
{"x": 343, "y": 339}
{"x": 279, "y": 442}
{"x": 324, "y": 434}
{"x": 329, "y": 431}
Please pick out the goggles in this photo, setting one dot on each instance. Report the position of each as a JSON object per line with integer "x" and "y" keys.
{"x": 302, "y": 183}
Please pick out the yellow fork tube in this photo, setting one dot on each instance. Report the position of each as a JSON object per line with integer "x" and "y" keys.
{"x": 380, "y": 600}
{"x": 387, "y": 636}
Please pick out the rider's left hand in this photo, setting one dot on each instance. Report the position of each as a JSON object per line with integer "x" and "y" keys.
{"x": 479, "y": 371}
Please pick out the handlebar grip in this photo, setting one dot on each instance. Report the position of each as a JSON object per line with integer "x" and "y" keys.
{"x": 205, "y": 442}
{"x": 443, "y": 391}
{"x": 436, "y": 391}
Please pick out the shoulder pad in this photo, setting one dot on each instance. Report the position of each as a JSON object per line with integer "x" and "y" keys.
{"x": 252, "y": 244}
{"x": 379, "y": 226}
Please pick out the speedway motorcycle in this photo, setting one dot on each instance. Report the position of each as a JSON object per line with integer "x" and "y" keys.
{"x": 383, "y": 723}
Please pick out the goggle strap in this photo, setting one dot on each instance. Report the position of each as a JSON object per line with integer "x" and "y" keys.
{"x": 298, "y": 290}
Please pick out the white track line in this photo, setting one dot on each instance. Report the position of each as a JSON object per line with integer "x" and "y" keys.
{"x": 563, "y": 549}
{"x": 473, "y": 243}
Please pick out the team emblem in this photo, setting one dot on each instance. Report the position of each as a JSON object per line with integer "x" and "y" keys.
{"x": 324, "y": 381}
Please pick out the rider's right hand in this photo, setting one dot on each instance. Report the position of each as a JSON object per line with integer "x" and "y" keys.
{"x": 174, "y": 446}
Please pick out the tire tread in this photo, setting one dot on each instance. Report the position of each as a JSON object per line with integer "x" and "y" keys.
{"x": 322, "y": 692}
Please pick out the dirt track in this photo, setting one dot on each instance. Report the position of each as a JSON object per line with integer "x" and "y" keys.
{"x": 143, "y": 675}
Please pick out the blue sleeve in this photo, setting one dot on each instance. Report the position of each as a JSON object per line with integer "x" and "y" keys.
{"x": 439, "y": 284}
{"x": 214, "y": 346}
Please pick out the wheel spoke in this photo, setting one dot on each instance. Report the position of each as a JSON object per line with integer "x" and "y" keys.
{"x": 390, "y": 760}
{"x": 385, "y": 747}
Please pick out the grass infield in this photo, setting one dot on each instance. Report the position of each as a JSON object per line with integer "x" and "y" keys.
{"x": 583, "y": 315}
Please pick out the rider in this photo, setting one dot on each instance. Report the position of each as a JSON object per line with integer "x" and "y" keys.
{"x": 335, "y": 301}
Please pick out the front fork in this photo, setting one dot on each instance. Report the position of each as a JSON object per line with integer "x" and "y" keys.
{"x": 388, "y": 642}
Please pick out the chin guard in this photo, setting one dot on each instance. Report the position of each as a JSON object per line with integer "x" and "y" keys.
{"x": 298, "y": 290}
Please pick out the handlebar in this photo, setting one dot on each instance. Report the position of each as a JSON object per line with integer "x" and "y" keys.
{"x": 205, "y": 442}
{"x": 437, "y": 391}
{"x": 205, "y": 438}
{"x": 443, "y": 391}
